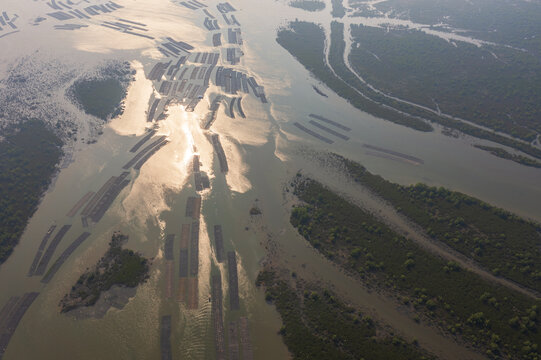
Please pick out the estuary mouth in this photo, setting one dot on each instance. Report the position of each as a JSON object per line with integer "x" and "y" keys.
{"x": 266, "y": 179}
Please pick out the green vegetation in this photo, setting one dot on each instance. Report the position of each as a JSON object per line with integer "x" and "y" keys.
{"x": 338, "y": 9}
{"x": 337, "y": 62}
{"x": 103, "y": 93}
{"x": 28, "y": 158}
{"x": 117, "y": 267}
{"x": 306, "y": 42}
{"x": 498, "y": 240}
{"x": 490, "y": 316}
{"x": 317, "y": 325}
{"x": 308, "y": 5}
{"x": 496, "y": 87}
{"x": 100, "y": 97}
{"x": 510, "y": 22}
{"x": 499, "y": 152}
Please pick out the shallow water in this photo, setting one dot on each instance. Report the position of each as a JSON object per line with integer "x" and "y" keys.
{"x": 264, "y": 151}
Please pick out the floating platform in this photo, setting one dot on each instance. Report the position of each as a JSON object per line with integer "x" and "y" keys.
{"x": 397, "y": 154}
{"x": 184, "y": 236}
{"x": 193, "y": 207}
{"x": 233, "y": 280}
{"x": 183, "y": 263}
{"x": 219, "y": 243}
{"x": 317, "y": 90}
{"x": 193, "y": 294}
{"x": 165, "y": 87}
{"x": 60, "y": 15}
{"x": 181, "y": 44}
{"x": 245, "y": 343}
{"x": 42, "y": 245}
{"x": 40, "y": 270}
{"x": 193, "y": 76}
{"x": 107, "y": 199}
{"x": 152, "y": 110}
{"x": 169, "y": 246}
{"x": 231, "y": 113}
{"x": 239, "y": 107}
{"x": 64, "y": 256}
{"x": 331, "y": 122}
{"x": 213, "y": 112}
{"x": 182, "y": 289}
{"x": 157, "y": 71}
{"x": 11, "y": 315}
{"x": 142, "y": 153}
{"x": 196, "y": 163}
{"x": 165, "y": 337}
{"x": 226, "y": 19}
{"x": 194, "y": 249}
{"x": 217, "y": 316}
{"x": 313, "y": 133}
{"x": 169, "y": 279}
{"x": 225, "y": 7}
{"x": 80, "y": 204}
{"x": 88, "y": 208}
{"x": 234, "y": 20}
{"x": 143, "y": 140}
{"x": 233, "y": 341}
{"x": 219, "y": 152}
{"x": 185, "y": 4}
{"x": 148, "y": 155}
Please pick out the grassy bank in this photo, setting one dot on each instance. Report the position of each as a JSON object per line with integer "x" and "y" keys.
{"x": 117, "y": 267}
{"x": 317, "y": 325}
{"x": 28, "y": 158}
{"x": 306, "y": 42}
{"x": 504, "y": 154}
{"x": 498, "y": 320}
{"x": 102, "y": 94}
{"x": 501, "y": 242}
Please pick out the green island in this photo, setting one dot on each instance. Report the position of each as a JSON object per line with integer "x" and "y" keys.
{"x": 493, "y": 86}
{"x": 117, "y": 267}
{"x": 504, "y": 154}
{"x": 317, "y": 325}
{"x": 28, "y": 157}
{"x": 102, "y": 95}
{"x": 336, "y": 61}
{"x": 501, "y": 242}
{"x": 308, "y": 5}
{"x": 493, "y": 318}
{"x": 306, "y": 42}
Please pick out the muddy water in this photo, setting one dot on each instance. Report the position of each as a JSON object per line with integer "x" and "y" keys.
{"x": 263, "y": 154}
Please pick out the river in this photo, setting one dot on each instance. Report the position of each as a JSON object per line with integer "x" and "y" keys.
{"x": 264, "y": 151}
